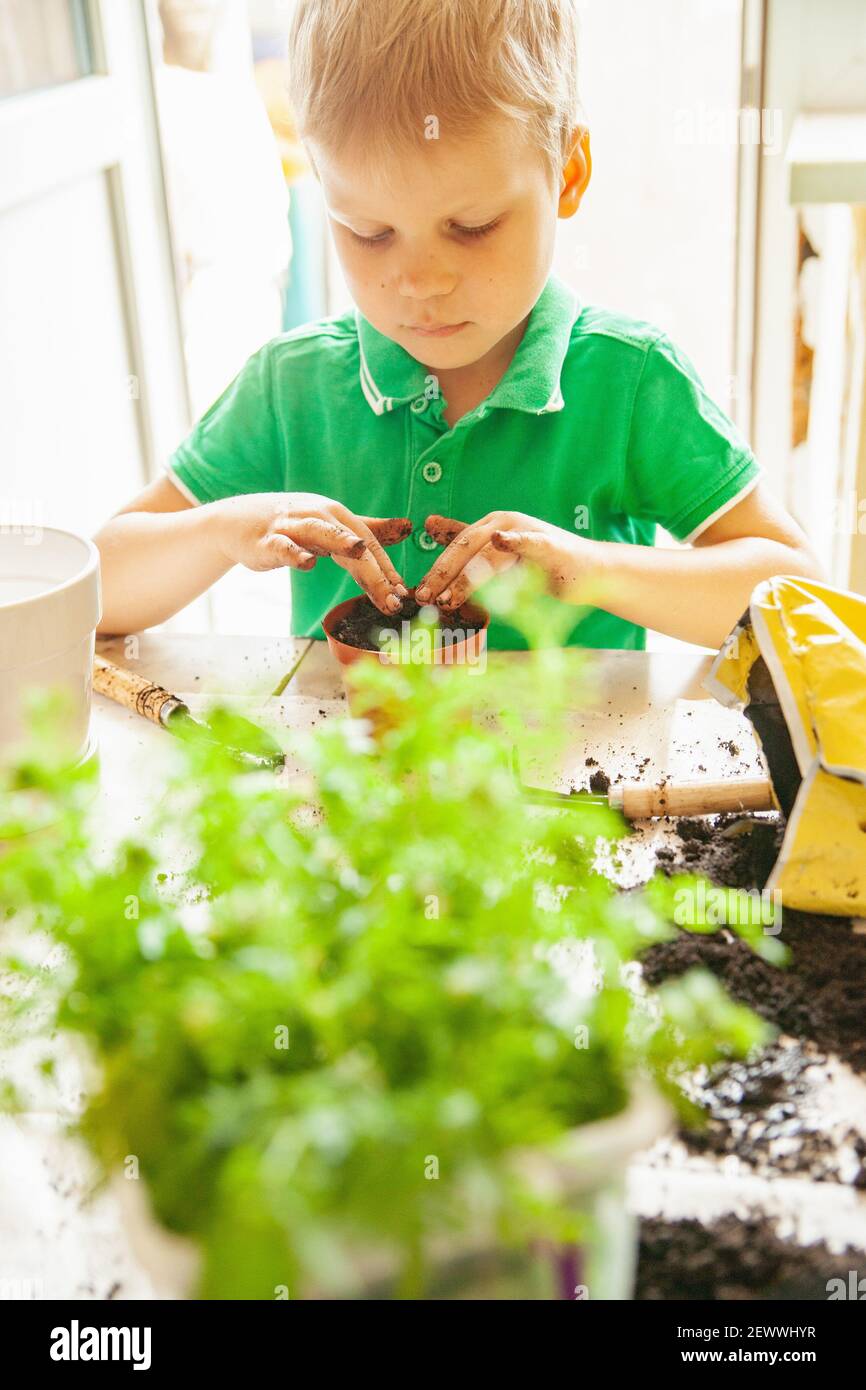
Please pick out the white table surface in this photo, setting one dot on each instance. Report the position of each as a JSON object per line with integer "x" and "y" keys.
{"x": 629, "y": 707}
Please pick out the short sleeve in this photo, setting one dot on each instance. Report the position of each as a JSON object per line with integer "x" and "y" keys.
{"x": 235, "y": 447}
{"x": 686, "y": 463}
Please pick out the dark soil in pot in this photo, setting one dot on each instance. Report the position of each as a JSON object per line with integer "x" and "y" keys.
{"x": 364, "y": 625}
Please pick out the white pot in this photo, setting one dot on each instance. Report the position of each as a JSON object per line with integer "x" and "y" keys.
{"x": 50, "y": 604}
{"x": 171, "y": 1262}
{"x": 586, "y": 1170}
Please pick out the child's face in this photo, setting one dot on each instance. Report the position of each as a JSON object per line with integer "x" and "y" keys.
{"x": 458, "y": 234}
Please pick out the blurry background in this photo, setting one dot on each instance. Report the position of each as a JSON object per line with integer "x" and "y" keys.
{"x": 158, "y": 223}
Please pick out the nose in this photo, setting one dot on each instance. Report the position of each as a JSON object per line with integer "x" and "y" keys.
{"x": 424, "y": 277}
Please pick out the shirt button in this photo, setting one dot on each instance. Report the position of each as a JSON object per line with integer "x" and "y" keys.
{"x": 426, "y": 541}
{"x": 419, "y": 405}
{"x": 432, "y": 471}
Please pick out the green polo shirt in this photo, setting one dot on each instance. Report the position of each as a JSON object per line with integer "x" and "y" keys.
{"x": 600, "y": 425}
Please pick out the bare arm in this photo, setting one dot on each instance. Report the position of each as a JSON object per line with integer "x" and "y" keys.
{"x": 160, "y": 552}
{"x": 157, "y": 555}
{"x": 697, "y": 594}
{"x": 694, "y": 593}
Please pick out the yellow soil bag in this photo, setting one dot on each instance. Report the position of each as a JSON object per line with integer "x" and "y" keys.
{"x": 813, "y": 640}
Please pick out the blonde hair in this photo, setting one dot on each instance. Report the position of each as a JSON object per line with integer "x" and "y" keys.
{"x": 376, "y": 74}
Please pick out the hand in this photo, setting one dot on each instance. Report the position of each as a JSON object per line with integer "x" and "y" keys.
{"x": 268, "y": 530}
{"x": 493, "y": 544}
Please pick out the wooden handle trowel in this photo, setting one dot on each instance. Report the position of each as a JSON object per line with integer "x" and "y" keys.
{"x": 640, "y": 801}
{"x": 637, "y": 801}
{"x": 260, "y": 749}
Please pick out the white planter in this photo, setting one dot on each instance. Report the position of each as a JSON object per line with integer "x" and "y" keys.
{"x": 50, "y": 604}
{"x": 171, "y": 1262}
{"x": 586, "y": 1170}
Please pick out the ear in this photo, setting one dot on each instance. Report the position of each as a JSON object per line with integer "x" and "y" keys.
{"x": 576, "y": 174}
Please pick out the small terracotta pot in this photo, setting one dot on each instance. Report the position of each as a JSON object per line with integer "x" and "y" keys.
{"x": 448, "y": 654}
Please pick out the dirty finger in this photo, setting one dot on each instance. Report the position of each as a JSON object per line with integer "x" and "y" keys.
{"x": 321, "y": 537}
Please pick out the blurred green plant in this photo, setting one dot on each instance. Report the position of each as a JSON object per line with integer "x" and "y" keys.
{"x": 390, "y": 959}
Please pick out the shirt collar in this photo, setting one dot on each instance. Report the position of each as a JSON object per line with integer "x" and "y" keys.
{"x": 391, "y": 377}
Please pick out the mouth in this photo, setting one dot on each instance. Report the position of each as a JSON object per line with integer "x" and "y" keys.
{"x": 444, "y": 330}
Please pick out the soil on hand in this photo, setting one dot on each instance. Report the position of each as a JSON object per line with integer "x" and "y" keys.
{"x": 363, "y": 626}
{"x": 443, "y": 529}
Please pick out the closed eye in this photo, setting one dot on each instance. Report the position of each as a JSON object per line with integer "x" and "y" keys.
{"x": 477, "y": 231}
{"x": 382, "y": 237}
{"x": 370, "y": 240}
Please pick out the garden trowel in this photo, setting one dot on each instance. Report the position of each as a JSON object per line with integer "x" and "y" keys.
{"x": 640, "y": 801}
{"x": 260, "y": 749}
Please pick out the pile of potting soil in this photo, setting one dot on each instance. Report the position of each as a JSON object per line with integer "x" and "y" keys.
{"x": 821, "y": 995}
{"x": 364, "y": 625}
{"x": 732, "y": 1259}
{"x": 759, "y": 1110}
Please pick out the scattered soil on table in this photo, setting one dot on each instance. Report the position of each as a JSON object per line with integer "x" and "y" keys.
{"x": 732, "y": 1259}
{"x": 764, "y": 1112}
{"x": 364, "y": 624}
{"x": 599, "y": 781}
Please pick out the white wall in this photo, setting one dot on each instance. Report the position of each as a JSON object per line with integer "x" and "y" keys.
{"x": 816, "y": 61}
{"x": 70, "y": 450}
{"x": 655, "y": 234}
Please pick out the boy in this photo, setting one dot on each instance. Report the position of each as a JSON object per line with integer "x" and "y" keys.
{"x": 468, "y": 384}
